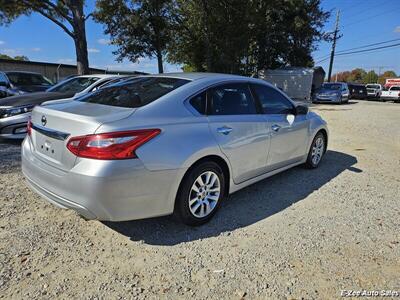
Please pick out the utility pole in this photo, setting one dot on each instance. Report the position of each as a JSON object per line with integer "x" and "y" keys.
{"x": 335, "y": 37}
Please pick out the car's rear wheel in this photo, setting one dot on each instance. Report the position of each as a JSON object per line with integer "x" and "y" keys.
{"x": 200, "y": 194}
{"x": 317, "y": 151}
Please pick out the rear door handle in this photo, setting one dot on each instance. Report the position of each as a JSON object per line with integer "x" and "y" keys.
{"x": 275, "y": 127}
{"x": 224, "y": 130}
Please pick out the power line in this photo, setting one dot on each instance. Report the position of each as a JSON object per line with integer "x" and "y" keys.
{"x": 359, "y": 47}
{"x": 365, "y": 46}
{"x": 367, "y": 50}
{"x": 368, "y": 18}
{"x": 367, "y": 9}
{"x": 377, "y": 49}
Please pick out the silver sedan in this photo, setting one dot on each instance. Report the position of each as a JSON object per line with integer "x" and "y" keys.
{"x": 166, "y": 144}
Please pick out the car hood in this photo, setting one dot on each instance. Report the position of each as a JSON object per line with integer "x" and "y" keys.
{"x": 33, "y": 98}
{"x": 32, "y": 88}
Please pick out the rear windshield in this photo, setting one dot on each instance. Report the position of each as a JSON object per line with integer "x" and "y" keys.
{"x": 395, "y": 88}
{"x": 73, "y": 85}
{"x": 373, "y": 86}
{"x": 134, "y": 93}
{"x": 21, "y": 79}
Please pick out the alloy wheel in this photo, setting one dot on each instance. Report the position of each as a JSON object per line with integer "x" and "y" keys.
{"x": 204, "y": 194}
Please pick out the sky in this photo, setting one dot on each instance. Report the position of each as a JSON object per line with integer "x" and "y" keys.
{"x": 362, "y": 22}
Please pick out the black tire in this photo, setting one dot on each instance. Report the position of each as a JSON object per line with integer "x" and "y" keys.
{"x": 310, "y": 163}
{"x": 182, "y": 210}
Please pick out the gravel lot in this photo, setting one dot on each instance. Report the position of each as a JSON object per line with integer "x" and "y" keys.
{"x": 300, "y": 234}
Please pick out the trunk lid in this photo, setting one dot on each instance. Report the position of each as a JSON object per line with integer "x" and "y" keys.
{"x": 54, "y": 124}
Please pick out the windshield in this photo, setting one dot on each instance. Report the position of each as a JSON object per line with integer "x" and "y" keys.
{"x": 27, "y": 79}
{"x": 73, "y": 85}
{"x": 134, "y": 93}
{"x": 332, "y": 86}
{"x": 372, "y": 86}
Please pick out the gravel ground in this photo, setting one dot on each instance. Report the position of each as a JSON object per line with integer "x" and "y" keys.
{"x": 300, "y": 234}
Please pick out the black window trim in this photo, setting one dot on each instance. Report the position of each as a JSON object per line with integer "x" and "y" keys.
{"x": 252, "y": 84}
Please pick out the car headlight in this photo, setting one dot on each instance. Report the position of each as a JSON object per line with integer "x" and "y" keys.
{"x": 13, "y": 111}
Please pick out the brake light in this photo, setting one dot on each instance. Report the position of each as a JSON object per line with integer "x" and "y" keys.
{"x": 112, "y": 145}
{"x": 29, "y": 127}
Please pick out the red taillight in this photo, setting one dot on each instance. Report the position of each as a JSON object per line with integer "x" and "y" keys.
{"x": 29, "y": 127}
{"x": 112, "y": 145}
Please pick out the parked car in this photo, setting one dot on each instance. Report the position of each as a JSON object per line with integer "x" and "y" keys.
{"x": 374, "y": 90}
{"x": 15, "y": 110}
{"x": 162, "y": 144}
{"x": 333, "y": 92}
{"x": 17, "y": 83}
{"x": 393, "y": 93}
{"x": 357, "y": 91}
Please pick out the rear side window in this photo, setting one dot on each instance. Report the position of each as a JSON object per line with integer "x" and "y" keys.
{"x": 135, "y": 93}
{"x": 272, "y": 101}
{"x": 73, "y": 85}
{"x": 199, "y": 103}
{"x": 232, "y": 99}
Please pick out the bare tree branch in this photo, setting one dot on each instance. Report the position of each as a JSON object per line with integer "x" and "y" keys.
{"x": 88, "y": 16}
{"x": 41, "y": 11}
{"x": 58, "y": 10}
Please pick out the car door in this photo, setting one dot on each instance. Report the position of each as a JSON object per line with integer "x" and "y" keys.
{"x": 288, "y": 131}
{"x": 241, "y": 132}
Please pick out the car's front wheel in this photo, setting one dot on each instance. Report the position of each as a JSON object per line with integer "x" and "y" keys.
{"x": 200, "y": 194}
{"x": 317, "y": 151}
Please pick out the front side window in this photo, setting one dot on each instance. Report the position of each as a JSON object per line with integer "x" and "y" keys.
{"x": 272, "y": 101}
{"x": 74, "y": 85}
{"x": 134, "y": 93}
{"x": 231, "y": 99}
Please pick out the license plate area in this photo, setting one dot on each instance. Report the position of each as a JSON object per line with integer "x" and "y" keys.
{"x": 49, "y": 147}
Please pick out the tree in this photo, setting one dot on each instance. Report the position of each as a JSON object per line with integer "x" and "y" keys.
{"x": 18, "y": 57}
{"x": 371, "y": 77}
{"x": 342, "y": 76}
{"x": 243, "y": 37}
{"x": 21, "y": 57}
{"x": 67, "y": 14}
{"x": 139, "y": 28}
{"x": 357, "y": 75}
{"x": 208, "y": 36}
{"x": 387, "y": 74}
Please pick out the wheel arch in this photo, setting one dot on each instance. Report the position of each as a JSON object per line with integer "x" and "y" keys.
{"x": 214, "y": 158}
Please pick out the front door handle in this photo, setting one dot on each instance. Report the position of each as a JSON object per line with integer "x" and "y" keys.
{"x": 275, "y": 127}
{"x": 225, "y": 130}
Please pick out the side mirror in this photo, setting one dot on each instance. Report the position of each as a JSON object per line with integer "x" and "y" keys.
{"x": 301, "y": 110}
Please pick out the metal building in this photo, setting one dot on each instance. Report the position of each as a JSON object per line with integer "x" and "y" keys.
{"x": 53, "y": 71}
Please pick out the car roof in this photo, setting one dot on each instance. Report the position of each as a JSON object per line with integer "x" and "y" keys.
{"x": 194, "y": 75}
{"x": 100, "y": 75}
{"x": 22, "y": 72}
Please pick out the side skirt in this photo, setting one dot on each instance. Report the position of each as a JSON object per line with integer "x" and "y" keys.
{"x": 235, "y": 187}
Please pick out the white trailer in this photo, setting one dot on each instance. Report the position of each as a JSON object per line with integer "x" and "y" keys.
{"x": 298, "y": 83}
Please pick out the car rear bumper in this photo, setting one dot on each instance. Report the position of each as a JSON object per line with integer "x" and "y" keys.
{"x": 14, "y": 127}
{"x": 104, "y": 190}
